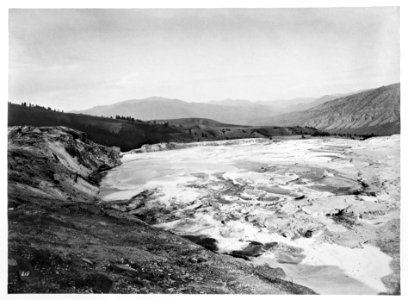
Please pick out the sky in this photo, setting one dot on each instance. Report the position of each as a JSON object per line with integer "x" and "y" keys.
{"x": 76, "y": 59}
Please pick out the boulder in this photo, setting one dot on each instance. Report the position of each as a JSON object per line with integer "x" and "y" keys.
{"x": 269, "y": 273}
{"x": 204, "y": 241}
{"x": 254, "y": 249}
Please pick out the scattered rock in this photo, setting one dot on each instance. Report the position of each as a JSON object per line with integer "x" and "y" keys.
{"x": 344, "y": 216}
{"x": 270, "y": 246}
{"x": 12, "y": 262}
{"x": 124, "y": 269}
{"x": 300, "y": 197}
{"x": 308, "y": 234}
{"x": 197, "y": 259}
{"x": 363, "y": 183}
{"x": 269, "y": 273}
{"x": 87, "y": 261}
{"x": 254, "y": 249}
{"x": 287, "y": 234}
{"x": 239, "y": 254}
{"x": 206, "y": 242}
{"x": 193, "y": 260}
{"x": 370, "y": 193}
{"x": 201, "y": 259}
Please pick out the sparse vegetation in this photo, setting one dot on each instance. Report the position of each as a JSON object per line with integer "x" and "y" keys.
{"x": 117, "y": 117}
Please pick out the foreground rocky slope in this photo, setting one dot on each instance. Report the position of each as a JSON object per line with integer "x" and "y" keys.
{"x": 61, "y": 240}
{"x": 375, "y": 111}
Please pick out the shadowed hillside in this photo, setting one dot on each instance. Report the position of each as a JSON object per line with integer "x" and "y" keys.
{"x": 375, "y": 111}
{"x": 106, "y": 131}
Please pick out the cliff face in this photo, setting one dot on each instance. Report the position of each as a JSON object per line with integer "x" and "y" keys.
{"x": 63, "y": 240}
{"x": 57, "y": 162}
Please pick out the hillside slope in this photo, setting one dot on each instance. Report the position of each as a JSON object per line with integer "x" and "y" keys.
{"x": 292, "y": 105}
{"x": 375, "y": 111}
{"x": 207, "y": 129}
{"x": 191, "y": 122}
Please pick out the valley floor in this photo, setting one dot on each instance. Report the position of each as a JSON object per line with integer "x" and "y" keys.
{"x": 326, "y": 211}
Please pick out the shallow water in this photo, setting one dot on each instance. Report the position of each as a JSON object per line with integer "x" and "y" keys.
{"x": 326, "y": 279}
{"x": 265, "y": 192}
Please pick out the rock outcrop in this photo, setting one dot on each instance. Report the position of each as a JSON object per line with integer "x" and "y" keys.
{"x": 58, "y": 162}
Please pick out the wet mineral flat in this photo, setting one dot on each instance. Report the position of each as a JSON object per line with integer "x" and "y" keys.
{"x": 321, "y": 203}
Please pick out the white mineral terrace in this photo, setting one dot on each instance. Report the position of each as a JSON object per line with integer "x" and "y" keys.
{"x": 277, "y": 191}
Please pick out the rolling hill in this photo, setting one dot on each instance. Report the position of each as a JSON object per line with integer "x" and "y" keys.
{"x": 192, "y": 122}
{"x": 375, "y": 111}
{"x": 207, "y": 129}
{"x": 131, "y": 134}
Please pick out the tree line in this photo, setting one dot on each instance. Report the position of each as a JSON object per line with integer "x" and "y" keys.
{"x": 28, "y": 104}
{"x": 127, "y": 118}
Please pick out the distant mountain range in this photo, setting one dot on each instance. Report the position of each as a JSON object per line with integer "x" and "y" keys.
{"x": 158, "y": 108}
{"x": 372, "y": 111}
{"x": 234, "y": 111}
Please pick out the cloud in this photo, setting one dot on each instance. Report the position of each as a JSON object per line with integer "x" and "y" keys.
{"x": 86, "y": 56}
{"x": 128, "y": 80}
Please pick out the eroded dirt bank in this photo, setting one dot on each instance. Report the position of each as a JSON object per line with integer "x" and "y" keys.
{"x": 326, "y": 211}
{"x": 63, "y": 240}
